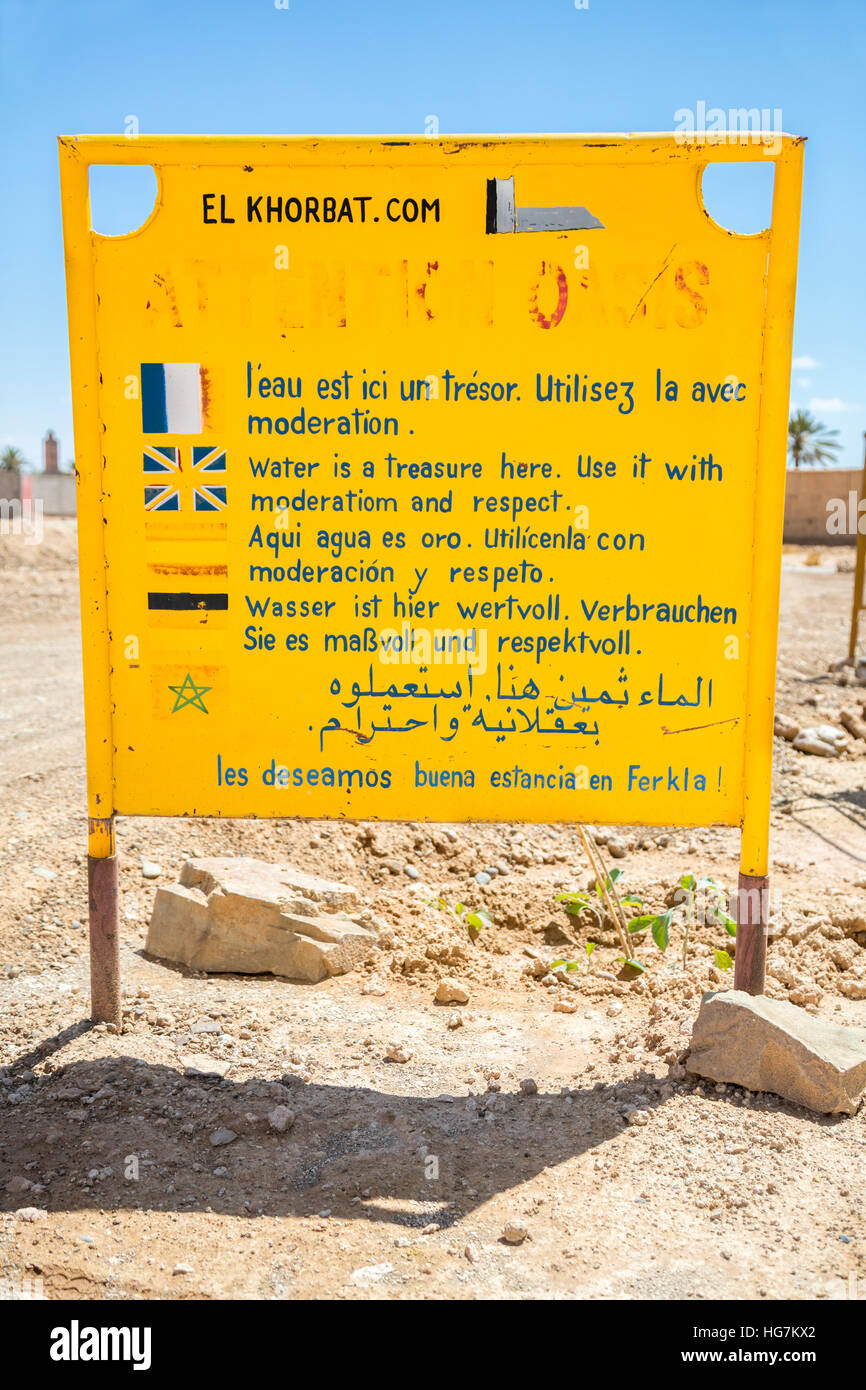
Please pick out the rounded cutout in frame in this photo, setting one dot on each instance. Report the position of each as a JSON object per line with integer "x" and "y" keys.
{"x": 739, "y": 197}
{"x": 122, "y": 197}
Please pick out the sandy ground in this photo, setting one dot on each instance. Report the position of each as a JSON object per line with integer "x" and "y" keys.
{"x": 397, "y": 1179}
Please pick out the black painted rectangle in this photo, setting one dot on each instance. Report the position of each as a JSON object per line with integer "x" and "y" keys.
{"x": 187, "y": 603}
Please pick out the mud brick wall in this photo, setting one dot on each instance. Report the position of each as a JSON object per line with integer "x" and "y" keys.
{"x": 806, "y": 497}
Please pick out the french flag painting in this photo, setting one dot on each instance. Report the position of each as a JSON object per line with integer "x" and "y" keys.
{"x": 171, "y": 398}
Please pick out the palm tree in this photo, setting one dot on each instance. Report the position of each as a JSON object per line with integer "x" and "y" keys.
{"x": 810, "y": 442}
{"x": 12, "y": 460}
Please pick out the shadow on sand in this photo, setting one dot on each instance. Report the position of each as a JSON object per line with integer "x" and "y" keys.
{"x": 119, "y": 1132}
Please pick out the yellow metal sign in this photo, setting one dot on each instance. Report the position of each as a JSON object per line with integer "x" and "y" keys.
{"x": 431, "y": 479}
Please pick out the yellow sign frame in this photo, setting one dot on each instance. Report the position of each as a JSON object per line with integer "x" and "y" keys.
{"x": 590, "y": 152}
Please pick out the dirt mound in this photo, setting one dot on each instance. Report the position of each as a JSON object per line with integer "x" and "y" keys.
{"x": 47, "y": 544}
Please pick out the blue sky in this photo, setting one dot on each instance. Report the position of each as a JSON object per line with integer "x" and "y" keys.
{"x": 367, "y": 66}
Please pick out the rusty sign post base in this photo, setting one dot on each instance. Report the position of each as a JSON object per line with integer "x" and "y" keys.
{"x": 753, "y": 897}
{"x": 104, "y": 947}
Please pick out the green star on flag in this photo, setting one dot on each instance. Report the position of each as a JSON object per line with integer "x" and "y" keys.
{"x": 189, "y": 694}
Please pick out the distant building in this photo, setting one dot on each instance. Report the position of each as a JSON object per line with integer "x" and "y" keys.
{"x": 49, "y": 453}
{"x": 55, "y": 490}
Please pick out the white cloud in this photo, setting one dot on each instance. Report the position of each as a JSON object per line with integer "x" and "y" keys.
{"x": 805, "y": 364}
{"x": 830, "y": 405}
{"x": 803, "y": 383}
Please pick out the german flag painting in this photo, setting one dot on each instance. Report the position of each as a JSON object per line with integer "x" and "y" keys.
{"x": 187, "y": 596}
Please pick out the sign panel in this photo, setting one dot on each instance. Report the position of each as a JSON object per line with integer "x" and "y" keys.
{"x": 431, "y": 479}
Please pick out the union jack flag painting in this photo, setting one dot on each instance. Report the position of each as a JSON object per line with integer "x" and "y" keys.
{"x": 184, "y": 478}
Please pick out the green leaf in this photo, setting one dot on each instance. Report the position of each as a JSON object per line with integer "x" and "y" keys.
{"x": 688, "y": 882}
{"x": 574, "y": 902}
{"x": 479, "y": 920}
{"x": 661, "y": 929}
{"x": 723, "y": 960}
{"x": 631, "y": 900}
{"x": 711, "y": 887}
{"x": 608, "y": 881}
{"x": 589, "y": 947}
{"x": 632, "y": 963}
{"x": 641, "y": 923}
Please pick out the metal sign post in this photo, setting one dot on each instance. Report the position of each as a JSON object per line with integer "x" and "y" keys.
{"x": 430, "y": 480}
{"x": 857, "y": 604}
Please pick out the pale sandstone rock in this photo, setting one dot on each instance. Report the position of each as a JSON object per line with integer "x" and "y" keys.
{"x": 854, "y": 985}
{"x": 375, "y": 985}
{"x": 31, "y": 1213}
{"x": 853, "y": 723}
{"x": 245, "y": 916}
{"x": 200, "y": 1064}
{"x": 450, "y": 991}
{"x": 844, "y": 954}
{"x": 829, "y": 733}
{"x": 370, "y": 1274}
{"x": 784, "y": 727}
{"x": 771, "y": 1045}
{"x": 515, "y": 1232}
{"x": 221, "y": 1137}
{"x": 810, "y": 741}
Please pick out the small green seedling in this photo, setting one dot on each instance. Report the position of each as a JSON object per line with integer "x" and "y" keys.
{"x": 473, "y": 919}
{"x": 571, "y": 965}
{"x": 605, "y": 896}
{"x": 659, "y": 924}
{"x": 717, "y": 914}
{"x": 714, "y": 898}
{"x": 577, "y": 902}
